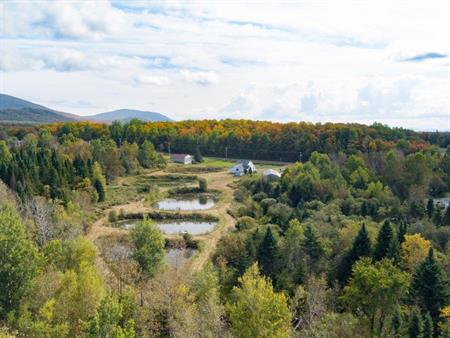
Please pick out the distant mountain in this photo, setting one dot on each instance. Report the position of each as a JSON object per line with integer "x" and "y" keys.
{"x": 11, "y": 102}
{"x": 13, "y": 109}
{"x": 126, "y": 115}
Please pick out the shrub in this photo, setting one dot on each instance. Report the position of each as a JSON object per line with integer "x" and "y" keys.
{"x": 202, "y": 185}
{"x": 112, "y": 216}
{"x": 245, "y": 223}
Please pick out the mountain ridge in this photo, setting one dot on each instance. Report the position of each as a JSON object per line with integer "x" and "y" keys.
{"x": 17, "y": 110}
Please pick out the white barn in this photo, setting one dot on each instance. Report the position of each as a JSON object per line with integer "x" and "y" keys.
{"x": 181, "y": 158}
{"x": 243, "y": 167}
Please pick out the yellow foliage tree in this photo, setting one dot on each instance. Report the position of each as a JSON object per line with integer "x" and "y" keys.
{"x": 414, "y": 251}
{"x": 258, "y": 311}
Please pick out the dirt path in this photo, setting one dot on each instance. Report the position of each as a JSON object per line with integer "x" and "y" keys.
{"x": 217, "y": 180}
{"x": 220, "y": 181}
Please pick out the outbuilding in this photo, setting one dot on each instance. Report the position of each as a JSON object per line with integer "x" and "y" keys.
{"x": 272, "y": 174}
{"x": 181, "y": 158}
{"x": 243, "y": 167}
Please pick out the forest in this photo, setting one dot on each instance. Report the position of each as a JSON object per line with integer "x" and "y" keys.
{"x": 353, "y": 240}
{"x": 244, "y": 138}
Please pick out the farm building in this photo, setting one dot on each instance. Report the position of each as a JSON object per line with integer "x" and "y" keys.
{"x": 243, "y": 167}
{"x": 272, "y": 174}
{"x": 181, "y": 158}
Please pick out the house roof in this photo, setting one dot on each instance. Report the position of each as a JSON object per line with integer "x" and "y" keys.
{"x": 245, "y": 163}
{"x": 178, "y": 157}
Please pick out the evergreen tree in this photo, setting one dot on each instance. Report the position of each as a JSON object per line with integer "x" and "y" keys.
{"x": 430, "y": 207}
{"x": 98, "y": 185}
{"x": 402, "y": 229}
{"x": 268, "y": 254}
{"x": 385, "y": 236}
{"x": 415, "y": 327}
{"x": 247, "y": 256}
{"x": 437, "y": 217}
{"x": 428, "y": 328}
{"x": 312, "y": 247}
{"x": 394, "y": 250}
{"x": 361, "y": 248}
{"x": 197, "y": 155}
{"x": 429, "y": 287}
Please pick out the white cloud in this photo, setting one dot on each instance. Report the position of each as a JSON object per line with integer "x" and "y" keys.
{"x": 75, "y": 19}
{"x": 152, "y": 80}
{"x": 316, "y": 61}
{"x": 200, "y": 78}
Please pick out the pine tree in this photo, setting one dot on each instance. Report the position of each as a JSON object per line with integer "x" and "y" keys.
{"x": 394, "y": 250}
{"x": 98, "y": 185}
{"x": 385, "y": 236}
{"x": 430, "y": 207}
{"x": 428, "y": 328}
{"x": 415, "y": 327}
{"x": 268, "y": 254}
{"x": 361, "y": 248}
{"x": 438, "y": 217}
{"x": 402, "y": 229}
{"x": 197, "y": 155}
{"x": 429, "y": 287}
{"x": 312, "y": 247}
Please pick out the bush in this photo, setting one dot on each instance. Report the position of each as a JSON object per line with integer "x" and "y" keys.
{"x": 112, "y": 216}
{"x": 258, "y": 197}
{"x": 239, "y": 195}
{"x": 268, "y": 202}
{"x": 245, "y": 223}
{"x": 202, "y": 185}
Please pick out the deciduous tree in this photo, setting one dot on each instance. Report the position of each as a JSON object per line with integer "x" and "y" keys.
{"x": 255, "y": 310}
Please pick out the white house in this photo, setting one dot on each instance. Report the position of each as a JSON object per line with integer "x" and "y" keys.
{"x": 272, "y": 174}
{"x": 243, "y": 167}
{"x": 181, "y": 158}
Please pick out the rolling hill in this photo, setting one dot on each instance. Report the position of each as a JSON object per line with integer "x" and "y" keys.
{"x": 128, "y": 114}
{"x": 16, "y": 110}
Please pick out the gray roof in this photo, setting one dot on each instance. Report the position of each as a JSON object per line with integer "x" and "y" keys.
{"x": 245, "y": 163}
{"x": 178, "y": 157}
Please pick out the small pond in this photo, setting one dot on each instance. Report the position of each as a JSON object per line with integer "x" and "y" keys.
{"x": 196, "y": 203}
{"x": 173, "y": 227}
{"x": 176, "y": 258}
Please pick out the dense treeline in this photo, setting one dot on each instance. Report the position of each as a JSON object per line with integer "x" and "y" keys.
{"x": 355, "y": 240}
{"x": 254, "y": 139}
{"x": 350, "y": 242}
{"x": 58, "y": 168}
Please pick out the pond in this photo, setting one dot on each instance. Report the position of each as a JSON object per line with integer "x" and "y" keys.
{"x": 196, "y": 203}
{"x": 173, "y": 227}
{"x": 176, "y": 258}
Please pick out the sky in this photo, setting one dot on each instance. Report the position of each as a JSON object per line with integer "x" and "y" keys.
{"x": 318, "y": 61}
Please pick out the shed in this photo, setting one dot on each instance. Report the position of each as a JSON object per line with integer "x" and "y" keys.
{"x": 243, "y": 167}
{"x": 272, "y": 174}
{"x": 181, "y": 158}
